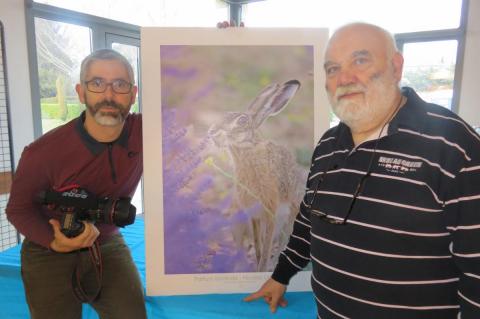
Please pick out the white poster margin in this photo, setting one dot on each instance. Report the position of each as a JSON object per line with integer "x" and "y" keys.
{"x": 157, "y": 282}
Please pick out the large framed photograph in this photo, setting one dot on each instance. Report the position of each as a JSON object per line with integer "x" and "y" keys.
{"x": 230, "y": 120}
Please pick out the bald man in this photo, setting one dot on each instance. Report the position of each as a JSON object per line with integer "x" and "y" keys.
{"x": 391, "y": 217}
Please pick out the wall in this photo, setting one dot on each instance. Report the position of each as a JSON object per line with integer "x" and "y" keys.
{"x": 12, "y": 15}
{"x": 470, "y": 92}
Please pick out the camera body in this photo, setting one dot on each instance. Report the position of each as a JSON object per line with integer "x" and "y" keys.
{"x": 78, "y": 204}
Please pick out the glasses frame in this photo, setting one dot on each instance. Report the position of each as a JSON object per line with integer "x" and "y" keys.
{"x": 325, "y": 217}
{"x": 322, "y": 216}
{"x": 107, "y": 84}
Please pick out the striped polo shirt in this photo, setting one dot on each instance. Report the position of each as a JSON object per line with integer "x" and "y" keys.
{"x": 410, "y": 247}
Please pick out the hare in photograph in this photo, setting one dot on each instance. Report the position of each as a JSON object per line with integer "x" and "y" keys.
{"x": 264, "y": 172}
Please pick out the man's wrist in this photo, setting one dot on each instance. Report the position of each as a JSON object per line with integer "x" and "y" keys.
{"x": 283, "y": 272}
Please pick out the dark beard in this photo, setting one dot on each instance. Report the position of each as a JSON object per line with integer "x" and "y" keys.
{"x": 97, "y": 107}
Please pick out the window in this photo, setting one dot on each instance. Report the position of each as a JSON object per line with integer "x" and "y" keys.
{"x": 430, "y": 69}
{"x": 60, "y": 50}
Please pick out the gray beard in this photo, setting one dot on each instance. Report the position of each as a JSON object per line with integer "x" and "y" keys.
{"x": 107, "y": 119}
{"x": 357, "y": 115}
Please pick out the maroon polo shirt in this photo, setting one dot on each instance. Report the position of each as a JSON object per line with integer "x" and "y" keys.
{"x": 68, "y": 155}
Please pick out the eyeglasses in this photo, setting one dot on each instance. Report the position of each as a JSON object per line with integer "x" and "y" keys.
{"x": 323, "y": 216}
{"x": 100, "y": 86}
{"x": 331, "y": 220}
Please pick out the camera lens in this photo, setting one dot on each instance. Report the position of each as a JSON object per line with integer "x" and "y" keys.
{"x": 124, "y": 213}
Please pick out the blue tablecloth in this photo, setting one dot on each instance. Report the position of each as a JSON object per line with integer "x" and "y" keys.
{"x": 212, "y": 306}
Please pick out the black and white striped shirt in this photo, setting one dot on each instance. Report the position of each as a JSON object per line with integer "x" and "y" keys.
{"x": 411, "y": 245}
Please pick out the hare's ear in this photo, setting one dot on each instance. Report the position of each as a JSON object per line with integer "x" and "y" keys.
{"x": 272, "y": 100}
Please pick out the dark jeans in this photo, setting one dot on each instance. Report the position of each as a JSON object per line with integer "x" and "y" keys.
{"x": 47, "y": 278}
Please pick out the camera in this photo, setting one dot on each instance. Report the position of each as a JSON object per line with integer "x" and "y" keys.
{"x": 78, "y": 204}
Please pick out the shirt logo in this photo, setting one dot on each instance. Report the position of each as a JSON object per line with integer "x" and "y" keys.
{"x": 398, "y": 165}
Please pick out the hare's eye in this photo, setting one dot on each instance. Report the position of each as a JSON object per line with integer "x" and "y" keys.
{"x": 242, "y": 120}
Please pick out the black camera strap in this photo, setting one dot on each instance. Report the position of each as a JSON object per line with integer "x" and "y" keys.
{"x": 78, "y": 290}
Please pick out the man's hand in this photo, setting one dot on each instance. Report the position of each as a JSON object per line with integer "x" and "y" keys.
{"x": 272, "y": 292}
{"x": 63, "y": 244}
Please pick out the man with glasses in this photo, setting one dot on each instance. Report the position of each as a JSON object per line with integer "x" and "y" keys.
{"x": 100, "y": 151}
{"x": 391, "y": 217}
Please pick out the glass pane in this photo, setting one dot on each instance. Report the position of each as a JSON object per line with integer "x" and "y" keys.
{"x": 184, "y": 13}
{"x": 61, "y": 48}
{"x": 421, "y": 15}
{"x": 132, "y": 53}
{"x": 429, "y": 68}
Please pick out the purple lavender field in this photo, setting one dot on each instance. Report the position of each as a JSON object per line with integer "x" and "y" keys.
{"x": 216, "y": 218}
